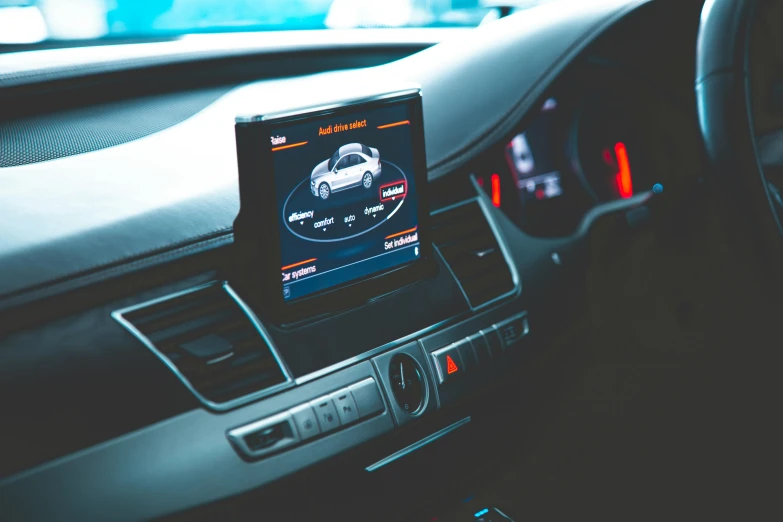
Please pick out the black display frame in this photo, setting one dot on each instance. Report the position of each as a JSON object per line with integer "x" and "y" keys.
{"x": 258, "y": 256}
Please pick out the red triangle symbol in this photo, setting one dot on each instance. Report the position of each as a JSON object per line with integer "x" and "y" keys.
{"x": 451, "y": 366}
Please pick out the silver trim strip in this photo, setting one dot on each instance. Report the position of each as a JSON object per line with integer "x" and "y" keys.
{"x": 252, "y": 118}
{"x": 222, "y": 358}
{"x": 512, "y": 267}
{"x": 482, "y": 199}
{"x": 609, "y": 208}
{"x": 417, "y": 445}
{"x": 453, "y": 206}
{"x": 453, "y": 275}
{"x": 261, "y": 330}
{"x": 117, "y": 315}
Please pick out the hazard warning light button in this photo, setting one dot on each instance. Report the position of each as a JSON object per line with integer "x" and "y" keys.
{"x": 448, "y": 363}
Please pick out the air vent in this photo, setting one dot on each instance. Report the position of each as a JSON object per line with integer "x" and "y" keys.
{"x": 470, "y": 248}
{"x": 210, "y": 343}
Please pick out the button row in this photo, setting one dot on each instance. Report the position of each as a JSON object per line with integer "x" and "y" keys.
{"x": 303, "y": 422}
{"x": 337, "y": 409}
{"x": 466, "y": 355}
{"x": 512, "y": 330}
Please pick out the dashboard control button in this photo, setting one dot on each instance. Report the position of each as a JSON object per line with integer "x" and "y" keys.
{"x": 326, "y": 414}
{"x": 513, "y": 330}
{"x": 494, "y": 342}
{"x": 468, "y": 355}
{"x": 346, "y": 406}
{"x": 265, "y": 436}
{"x": 367, "y": 397}
{"x": 305, "y": 421}
{"x": 481, "y": 347}
{"x": 448, "y": 363}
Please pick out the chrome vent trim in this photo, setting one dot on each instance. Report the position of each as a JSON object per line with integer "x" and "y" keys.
{"x": 492, "y": 251}
{"x": 121, "y": 317}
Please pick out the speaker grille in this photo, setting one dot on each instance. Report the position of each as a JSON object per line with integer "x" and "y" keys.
{"x": 70, "y": 132}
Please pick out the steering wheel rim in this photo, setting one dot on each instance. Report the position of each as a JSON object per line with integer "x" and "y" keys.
{"x": 725, "y": 115}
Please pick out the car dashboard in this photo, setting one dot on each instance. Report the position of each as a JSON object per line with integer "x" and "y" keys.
{"x": 146, "y": 378}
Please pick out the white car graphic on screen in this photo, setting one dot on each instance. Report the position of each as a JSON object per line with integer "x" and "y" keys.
{"x": 353, "y": 165}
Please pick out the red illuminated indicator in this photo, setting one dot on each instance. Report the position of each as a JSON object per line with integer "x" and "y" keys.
{"x": 480, "y": 181}
{"x": 451, "y": 366}
{"x": 496, "y": 190}
{"x": 623, "y": 177}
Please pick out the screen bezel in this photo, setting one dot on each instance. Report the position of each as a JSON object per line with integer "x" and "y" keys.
{"x": 258, "y": 205}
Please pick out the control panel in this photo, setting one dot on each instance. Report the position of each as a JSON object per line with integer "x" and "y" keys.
{"x": 477, "y": 349}
{"x": 309, "y": 420}
{"x": 417, "y": 377}
{"x": 303, "y": 425}
{"x": 466, "y": 355}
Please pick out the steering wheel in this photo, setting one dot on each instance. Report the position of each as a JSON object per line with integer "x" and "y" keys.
{"x": 725, "y": 99}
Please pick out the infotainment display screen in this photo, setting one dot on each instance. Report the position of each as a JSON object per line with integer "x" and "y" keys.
{"x": 344, "y": 186}
{"x": 346, "y": 198}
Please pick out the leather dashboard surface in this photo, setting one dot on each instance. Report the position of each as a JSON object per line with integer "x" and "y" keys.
{"x": 178, "y": 185}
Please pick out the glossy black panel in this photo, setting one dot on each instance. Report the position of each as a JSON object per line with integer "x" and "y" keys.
{"x": 320, "y": 344}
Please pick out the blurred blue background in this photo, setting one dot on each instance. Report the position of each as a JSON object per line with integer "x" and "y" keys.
{"x": 32, "y": 21}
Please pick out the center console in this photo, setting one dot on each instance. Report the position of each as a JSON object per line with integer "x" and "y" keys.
{"x": 340, "y": 265}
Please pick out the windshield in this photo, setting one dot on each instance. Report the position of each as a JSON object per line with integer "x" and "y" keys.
{"x": 35, "y": 21}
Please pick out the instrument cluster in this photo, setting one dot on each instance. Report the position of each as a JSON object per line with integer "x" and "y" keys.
{"x": 605, "y": 141}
